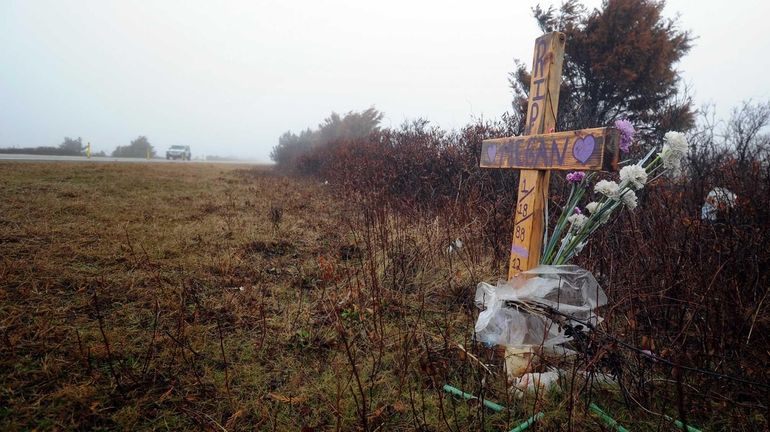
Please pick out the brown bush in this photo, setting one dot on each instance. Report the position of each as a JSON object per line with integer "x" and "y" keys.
{"x": 692, "y": 291}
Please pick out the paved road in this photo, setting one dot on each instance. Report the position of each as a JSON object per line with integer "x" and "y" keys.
{"x": 45, "y": 158}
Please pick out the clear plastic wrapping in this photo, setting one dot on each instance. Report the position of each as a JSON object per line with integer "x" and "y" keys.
{"x": 568, "y": 289}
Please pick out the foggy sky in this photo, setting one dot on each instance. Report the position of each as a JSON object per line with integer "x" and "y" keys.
{"x": 227, "y": 78}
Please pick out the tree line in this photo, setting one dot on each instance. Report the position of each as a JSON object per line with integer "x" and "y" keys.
{"x": 138, "y": 148}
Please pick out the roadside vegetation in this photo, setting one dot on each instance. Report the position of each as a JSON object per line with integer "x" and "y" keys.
{"x": 223, "y": 297}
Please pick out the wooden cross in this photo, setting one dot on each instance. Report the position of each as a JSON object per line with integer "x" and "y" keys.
{"x": 541, "y": 150}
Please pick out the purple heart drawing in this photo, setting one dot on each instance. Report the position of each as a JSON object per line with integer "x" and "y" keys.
{"x": 491, "y": 152}
{"x": 584, "y": 148}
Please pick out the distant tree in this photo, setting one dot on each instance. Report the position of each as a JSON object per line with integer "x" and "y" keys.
{"x": 291, "y": 146}
{"x": 333, "y": 129}
{"x": 744, "y": 138}
{"x": 72, "y": 146}
{"x": 746, "y": 131}
{"x": 137, "y": 149}
{"x": 619, "y": 63}
{"x": 352, "y": 125}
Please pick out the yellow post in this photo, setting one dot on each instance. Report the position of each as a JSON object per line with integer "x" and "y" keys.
{"x": 533, "y": 184}
{"x": 88, "y": 151}
{"x": 148, "y": 153}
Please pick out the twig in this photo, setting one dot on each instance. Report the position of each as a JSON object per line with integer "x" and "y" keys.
{"x": 650, "y": 355}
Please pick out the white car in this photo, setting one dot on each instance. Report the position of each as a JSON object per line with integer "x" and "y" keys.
{"x": 178, "y": 152}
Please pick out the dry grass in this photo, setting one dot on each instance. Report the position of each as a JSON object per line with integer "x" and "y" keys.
{"x": 173, "y": 296}
{"x": 192, "y": 297}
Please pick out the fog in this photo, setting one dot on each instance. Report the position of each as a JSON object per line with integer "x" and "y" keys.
{"x": 227, "y": 78}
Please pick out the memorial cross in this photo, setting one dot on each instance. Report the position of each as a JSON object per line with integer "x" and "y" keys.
{"x": 541, "y": 150}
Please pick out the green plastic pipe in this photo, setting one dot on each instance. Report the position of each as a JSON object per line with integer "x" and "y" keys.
{"x": 527, "y": 423}
{"x": 457, "y": 392}
{"x": 606, "y": 418}
{"x": 680, "y": 425}
{"x": 493, "y": 406}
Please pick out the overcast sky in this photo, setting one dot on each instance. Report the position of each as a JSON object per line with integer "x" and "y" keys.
{"x": 228, "y": 78}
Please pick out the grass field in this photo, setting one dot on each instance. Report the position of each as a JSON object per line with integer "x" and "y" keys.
{"x": 171, "y": 297}
{"x": 188, "y": 297}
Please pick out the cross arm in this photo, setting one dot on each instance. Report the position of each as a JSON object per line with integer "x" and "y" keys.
{"x": 594, "y": 149}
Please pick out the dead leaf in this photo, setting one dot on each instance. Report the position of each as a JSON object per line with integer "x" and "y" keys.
{"x": 234, "y": 418}
{"x": 287, "y": 399}
{"x": 399, "y": 407}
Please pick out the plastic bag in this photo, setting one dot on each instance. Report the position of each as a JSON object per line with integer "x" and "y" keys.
{"x": 718, "y": 199}
{"x": 542, "y": 381}
{"x": 536, "y": 382}
{"x": 567, "y": 288}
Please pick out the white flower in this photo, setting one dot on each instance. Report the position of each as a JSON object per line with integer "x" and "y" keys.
{"x": 671, "y": 158}
{"x": 594, "y": 207}
{"x": 629, "y": 199}
{"x": 610, "y": 189}
{"x": 577, "y": 221}
{"x": 634, "y": 175}
{"x": 677, "y": 142}
{"x": 673, "y": 151}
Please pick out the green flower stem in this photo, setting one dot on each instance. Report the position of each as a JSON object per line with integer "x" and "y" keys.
{"x": 562, "y": 222}
{"x": 557, "y": 230}
{"x": 606, "y": 207}
{"x": 653, "y": 162}
{"x": 575, "y": 195}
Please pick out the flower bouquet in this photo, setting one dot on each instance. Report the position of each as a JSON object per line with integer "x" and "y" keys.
{"x": 575, "y": 225}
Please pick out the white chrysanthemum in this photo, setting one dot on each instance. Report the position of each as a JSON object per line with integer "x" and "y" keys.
{"x": 577, "y": 221}
{"x": 671, "y": 160}
{"x": 610, "y": 189}
{"x": 672, "y": 152}
{"x": 634, "y": 175}
{"x": 677, "y": 142}
{"x": 629, "y": 199}
{"x": 592, "y": 207}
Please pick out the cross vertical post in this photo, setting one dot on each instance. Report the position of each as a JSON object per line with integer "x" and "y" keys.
{"x": 529, "y": 218}
{"x": 542, "y": 149}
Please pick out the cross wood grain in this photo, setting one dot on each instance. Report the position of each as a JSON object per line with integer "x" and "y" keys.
{"x": 587, "y": 149}
{"x": 533, "y": 184}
